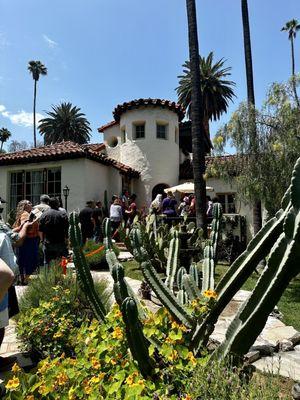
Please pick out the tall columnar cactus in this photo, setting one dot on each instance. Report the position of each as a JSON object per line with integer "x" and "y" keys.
{"x": 163, "y": 293}
{"x": 258, "y": 248}
{"x": 190, "y": 287}
{"x": 216, "y": 227}
{"x": 194, "y": 273}
{"x": 282, "y": 266}
{"x": 173, "y": 257}
{"x": 179, "y": 282}
{"x": 82, "y": 269}
{"x": 137, "y": 342}
{"x": 120, "y": 286}
{"x": 208, "y": 269}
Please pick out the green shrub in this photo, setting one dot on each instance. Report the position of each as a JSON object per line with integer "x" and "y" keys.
{"x": 51, "y": 307}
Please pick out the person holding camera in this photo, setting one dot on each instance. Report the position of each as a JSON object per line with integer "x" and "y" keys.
{"x": 28, "y": 253}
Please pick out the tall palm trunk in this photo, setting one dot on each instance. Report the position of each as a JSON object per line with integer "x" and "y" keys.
{"x": 34, "y": 122}
{"x": 257, "y": 219}
{"x": 1, "y": 145}
{"x": 293, "y": 72}
{"x": 197, "y": 117}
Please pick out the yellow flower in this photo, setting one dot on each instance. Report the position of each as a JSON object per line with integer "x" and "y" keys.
{"x": 43, "y": 367}
{"x": 191, "y": 358}
{"x": 117, "y": 333}
{"x": 88, "y": 389}
{"x": 67, "y": 291}
{"x": 113, "y": 361}
{"x": 118, "y": 313}
{"x": 175, "y": 325}
{"x": 55, "y": 298}
{"x": 94, "y": 379}
{"x": 57, "y": 335}
{"x": 173, "y": 355}
{"x": 62, "y": 379}
{"x": 210, "y": 294}
{"x": 13, "y": 383}
{"x": 129, "y": 380}
{"x": 16, "y": 368}
{"x": 95, "y": 363}
{"x": 43, "y": 390}
{"x": 30, "y": 397}
{"x": 188, "y": 397}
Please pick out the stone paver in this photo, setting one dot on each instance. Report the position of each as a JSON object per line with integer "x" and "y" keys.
{"x": 286, "y": 364}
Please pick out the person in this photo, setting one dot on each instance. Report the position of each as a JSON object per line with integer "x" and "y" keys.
{"x": 132, "y": 209}
{"x": 115, "y": 214}
{"x": 86, "y": 221}
{"x": 97, "y": 217}
{"x": 54, "y": 228}
{"x": 169, "y": 204}
{"x": 44, "y": 203}
{"x": 192, "y": 209}
{"x": 184, "y": 206}
{"x": 125, "y": 199}
{"x": 8, "y": 268}
{"x": 209, "y": 207}
{"x": 28, "y": 253}
{"x": 156, "y": 205}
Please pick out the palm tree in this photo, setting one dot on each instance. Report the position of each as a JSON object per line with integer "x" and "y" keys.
{"x": 36, "y": 68}
{"x": 216, "y": 91}
{"x": 4, "y": 136}
{"x": 292, "y": 27}
{"x": 257, "y": 219}
{"x": 65, "y": 122}
{"x": 197, "y": 117}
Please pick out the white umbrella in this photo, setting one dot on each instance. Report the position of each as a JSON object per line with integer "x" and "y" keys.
{"x": 187, "y": 187}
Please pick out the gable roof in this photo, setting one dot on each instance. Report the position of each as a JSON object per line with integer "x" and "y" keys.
{"x": 65, "y": 151}
{"x": 133, "y": 104}
{"x": 108, "y": 125}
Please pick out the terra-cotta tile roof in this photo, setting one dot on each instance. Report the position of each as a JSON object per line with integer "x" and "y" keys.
{"x": 64, "y": 151}
{"x": 171, "y": 105}
{"x": 108, "y": 125}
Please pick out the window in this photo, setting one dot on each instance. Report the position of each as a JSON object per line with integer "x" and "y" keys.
{"x": 161, "y": 131}
{"x": 227, "y": 201}
{"x": 123, "y": 136}
{"x": 139, "y": 131}
{"x": 30, "y": 185}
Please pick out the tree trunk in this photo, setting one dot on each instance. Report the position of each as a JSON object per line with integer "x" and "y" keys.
{"x": 197, "y": 118}
{"x": 293, "y": 72}
{"x": 257, "y": 218}
{"x": 1, "y": 146}
{"x": 34, "y": 123}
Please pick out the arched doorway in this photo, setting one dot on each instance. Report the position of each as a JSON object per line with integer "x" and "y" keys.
{"x": 159, "y": 189}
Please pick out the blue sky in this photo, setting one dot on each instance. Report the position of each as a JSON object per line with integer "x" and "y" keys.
{"x": 100, "y": 53}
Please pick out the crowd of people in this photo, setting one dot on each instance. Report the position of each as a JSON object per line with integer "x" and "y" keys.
{"x": 169, "y": 206}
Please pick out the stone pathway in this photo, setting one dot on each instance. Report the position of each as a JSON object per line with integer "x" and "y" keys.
{"x": 286, "y": 361}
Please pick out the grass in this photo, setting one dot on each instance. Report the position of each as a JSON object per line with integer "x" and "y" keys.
{"x": 289, "y": 304}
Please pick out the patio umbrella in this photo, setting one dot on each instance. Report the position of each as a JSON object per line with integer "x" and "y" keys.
{"x": 187, "y": 187}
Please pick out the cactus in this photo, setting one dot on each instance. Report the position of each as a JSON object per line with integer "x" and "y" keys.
{"x": 208, "y": 268}
{"x": 182, "y": 297}
{"x": 172, "y": 263}
{"x": 258, "y": 248}
{"x": 120, "y": 286}
{"x": 190, "y": 287}
{"x": 282, "y": 266}
{"x": 82, "y": 269}
{"x": 137, "y": 342}
{"x": 194, "y": 273}
{"x": 181, "y": 271}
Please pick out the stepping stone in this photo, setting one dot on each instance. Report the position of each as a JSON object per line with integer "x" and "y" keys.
{"x": 286, "y": 364}
{"x": 124, "y": 256}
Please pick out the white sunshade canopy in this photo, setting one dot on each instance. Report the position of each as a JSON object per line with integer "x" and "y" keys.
{"x": 187, "y": 187}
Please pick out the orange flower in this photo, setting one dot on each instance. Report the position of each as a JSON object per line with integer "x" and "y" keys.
{"x": 210, "y": 294}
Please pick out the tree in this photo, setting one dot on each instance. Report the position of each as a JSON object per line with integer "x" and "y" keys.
{"x": 257, "y": 215}
{"x": 292, "y": 27}
{"x": 216, "y": 91}
{"x": 36, "y": 68}
{"x": 4, "y": 136}
{"x": 197, "y": 117}
{"x": 65, "y": 122}
{"x": 269, "y": 176}
{"x": 15, "y": 145}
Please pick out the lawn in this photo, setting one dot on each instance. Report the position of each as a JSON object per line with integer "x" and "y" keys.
{"x": 289, "y": 304}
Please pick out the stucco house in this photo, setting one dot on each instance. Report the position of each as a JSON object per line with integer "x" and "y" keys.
{"x": 145, "y": 149}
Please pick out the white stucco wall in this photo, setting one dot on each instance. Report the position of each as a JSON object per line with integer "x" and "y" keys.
{"x": 86, "y": 179}
{"x": 108, "y": 135}
{"x": 156, "y": 159}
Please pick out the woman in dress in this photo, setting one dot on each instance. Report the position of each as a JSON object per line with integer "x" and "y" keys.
{"x": 156, "y": 205}
{"x": 28, "y": 253}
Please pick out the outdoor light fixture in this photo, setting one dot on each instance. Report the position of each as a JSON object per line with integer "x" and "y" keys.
{"x": 66, "y": 192}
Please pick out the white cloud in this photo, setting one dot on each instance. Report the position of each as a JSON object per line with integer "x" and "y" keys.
{"x": 51, "y": 43}
{"x": 21, "y": 118}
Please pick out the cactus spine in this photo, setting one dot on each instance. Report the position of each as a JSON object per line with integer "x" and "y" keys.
{"x": 137, "y": 342}
{"x": 181, "y": 271}
{"x": 208, "y": 269}
{"x": 194, "y": 273}
{"x": 190, "y": 287}
{"x": 120, "y": 286}
{"x": 82, "y": 269}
